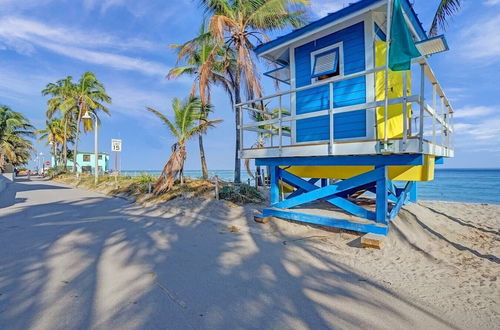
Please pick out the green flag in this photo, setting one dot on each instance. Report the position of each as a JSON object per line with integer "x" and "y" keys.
{"x": 402, "y": 47}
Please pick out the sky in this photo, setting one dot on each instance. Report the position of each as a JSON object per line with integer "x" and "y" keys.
{"x": 126, "y": 43}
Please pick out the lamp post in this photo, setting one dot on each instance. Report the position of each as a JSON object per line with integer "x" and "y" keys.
{"x": 42, "y": 164}
{"x": 89, "y": 115}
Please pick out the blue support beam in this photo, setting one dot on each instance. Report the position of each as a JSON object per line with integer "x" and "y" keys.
{"x": 334, "y": 189}
{"x": 300, "y": 191}
{"x": 401, "y": 198}
{"x": 327, "y": 221}
{"x": 338, "y": 201}
{"x": 439, "y": 161}
{"x": 274, "y": 185}
{"x": 368, "y": 160}
{"x": 414, "y": 193}
{"x": 340, "y": 193}
{"x": 381, "y": 206}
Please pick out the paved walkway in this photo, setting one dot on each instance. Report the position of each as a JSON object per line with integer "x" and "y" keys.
{"x": 74, "y": 259}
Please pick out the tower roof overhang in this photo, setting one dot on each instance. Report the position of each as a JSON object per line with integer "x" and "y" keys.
{"x": 277, "y": 49}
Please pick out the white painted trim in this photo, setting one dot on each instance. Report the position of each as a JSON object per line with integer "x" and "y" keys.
{"x": 293, "y": 96}
{"x": 348, "y": 149}
{"x": 340, "y": 46}
{"x": 339, "y": 24}
{"x": 370, "y": 78}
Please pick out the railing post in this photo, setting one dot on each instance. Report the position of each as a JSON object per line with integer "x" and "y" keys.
{"x": 422, "y": 100}
{"x": 452, "y": 131}
{"x": 443, "y": 118}
{"x": 447, "y": 122}
{"x": 330, "y": 114}
{"x": 405, "y": 110}
{"x": 386, "y": 85}
{"x": 434, "y": 106}
{"x": 280, "y": 128}
{"x": 241, "y": 132}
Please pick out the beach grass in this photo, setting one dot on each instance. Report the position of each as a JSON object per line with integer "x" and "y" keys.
{"x": 139, "y": 188}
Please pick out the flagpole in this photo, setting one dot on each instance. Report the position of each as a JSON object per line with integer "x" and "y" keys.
{"x": 387, "y": 44}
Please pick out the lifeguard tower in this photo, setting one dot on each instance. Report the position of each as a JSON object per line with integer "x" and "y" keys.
{"x": 347, "y": 143}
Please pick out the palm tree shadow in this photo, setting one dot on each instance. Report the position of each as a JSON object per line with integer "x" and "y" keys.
{"x": 101, "y": 262}
{"x": 458, "y": 246}
{"x": 461, "y": 222}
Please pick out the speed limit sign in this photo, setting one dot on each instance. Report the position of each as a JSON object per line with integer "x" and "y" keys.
{"x": 116, "y": 145}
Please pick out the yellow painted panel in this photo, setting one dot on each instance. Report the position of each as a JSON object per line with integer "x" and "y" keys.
{"x": 414, "y": 173}
{"x": 398, "y": 173}
{"x": 330, "y": 172}
{"x": 394, "y": 112}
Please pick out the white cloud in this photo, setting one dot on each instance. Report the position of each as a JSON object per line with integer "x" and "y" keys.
{"x": 482, "y": 40}
{"x": 471, "y": 111}
{"x": 108, "y": 59}
{"x": 477, "y": 126}
{"x": 324, "y": 7}
{"x": 23, "y": 35}
{"x": 492, "y": 2}
{"x": 25, "y": 29}
{"x": 486, "y": 131}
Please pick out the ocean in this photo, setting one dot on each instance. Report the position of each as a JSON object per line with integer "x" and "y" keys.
{"x": 453, "y": 185}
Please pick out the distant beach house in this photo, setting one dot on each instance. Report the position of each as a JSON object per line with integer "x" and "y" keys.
{"x": 85, "y": 162}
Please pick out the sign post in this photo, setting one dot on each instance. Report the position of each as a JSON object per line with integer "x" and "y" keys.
{"x": 116, "y": 147}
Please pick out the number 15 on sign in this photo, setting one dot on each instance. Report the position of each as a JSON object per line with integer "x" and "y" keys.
{"x": 116, "y": 145}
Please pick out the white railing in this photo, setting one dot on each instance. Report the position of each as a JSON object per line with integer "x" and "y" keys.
{"x": 441, "y": 121}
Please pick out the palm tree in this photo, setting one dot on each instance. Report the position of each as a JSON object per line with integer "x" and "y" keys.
{"x": 186, "y": 124}
{"x": 195, "y": 53}
{"x": 446, "y": 8}
{"x": 89, "y": 95}
{"x": 61, "y": 92}
{"x": 15, "y": 148}
{"x": 55, "y": 132}
{"x": 239, "y": 25}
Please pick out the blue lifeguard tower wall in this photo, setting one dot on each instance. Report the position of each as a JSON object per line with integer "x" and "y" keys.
{"x": 346, "y": 139}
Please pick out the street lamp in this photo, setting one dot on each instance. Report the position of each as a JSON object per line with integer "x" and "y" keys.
{"x": 88, "y": 115}
{"x": 42, "y": 164}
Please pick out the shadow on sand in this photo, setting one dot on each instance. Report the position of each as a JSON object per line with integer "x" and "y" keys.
{"x": 99, "y": 262}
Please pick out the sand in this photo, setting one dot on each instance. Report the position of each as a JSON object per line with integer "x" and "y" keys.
{"x": 442, "y": 256}
{"x": 77, "y": 259}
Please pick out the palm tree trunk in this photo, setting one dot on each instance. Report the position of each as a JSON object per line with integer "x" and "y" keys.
{"x": 55, "y": 155}
{"x": 237, "y": 162}
{"x": 75, "y": 152}
{"x": 65, "y": 146}
{"x": 204, "y": 168}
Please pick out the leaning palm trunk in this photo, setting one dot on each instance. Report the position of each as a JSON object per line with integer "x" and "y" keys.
{"x": 2, "y": 158}
{"x": 172, "y": 169}
{"x": 204, "y": 168}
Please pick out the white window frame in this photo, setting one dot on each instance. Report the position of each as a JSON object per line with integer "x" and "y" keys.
{"x": 340, "y": 46}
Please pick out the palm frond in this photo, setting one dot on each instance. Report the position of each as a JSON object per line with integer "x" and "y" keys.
{"x": 446, "y": 9}
{"x": 165, "y": 121}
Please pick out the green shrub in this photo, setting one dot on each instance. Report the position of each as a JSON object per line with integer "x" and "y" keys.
{"x": 240, "y": 193}
{"x": 144, "y": 180}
